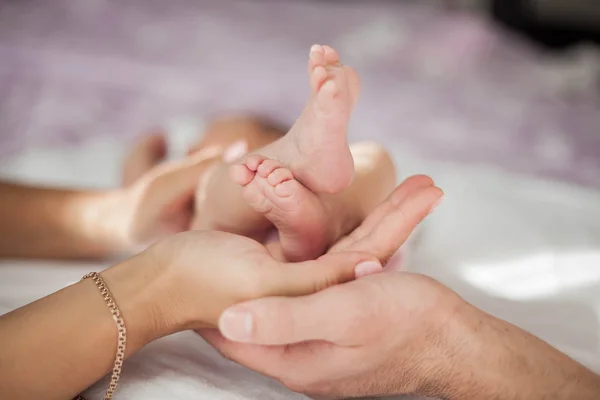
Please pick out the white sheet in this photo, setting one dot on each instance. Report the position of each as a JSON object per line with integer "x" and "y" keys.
{"x": 521, "y": 248}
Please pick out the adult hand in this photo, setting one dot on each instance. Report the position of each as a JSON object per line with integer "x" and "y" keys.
{"x": 204, "y": 272}
{"x": 395, "y": 332}
{"x": 379, "y": 335}
{"x": 54, "y": 222}
{"x": 183, "y": 282}
{"x": 160, "y": 203}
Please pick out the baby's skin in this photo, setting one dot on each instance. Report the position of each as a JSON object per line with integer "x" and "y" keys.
{"x": 289, "y": 180}
{"x": 309, "y": 183}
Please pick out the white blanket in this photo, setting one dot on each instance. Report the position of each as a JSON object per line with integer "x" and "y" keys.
{"x": 521, "y": 248}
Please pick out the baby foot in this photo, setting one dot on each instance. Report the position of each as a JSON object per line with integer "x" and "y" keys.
{"x": 316, "y": 148}
{"x": 299, "y": 215}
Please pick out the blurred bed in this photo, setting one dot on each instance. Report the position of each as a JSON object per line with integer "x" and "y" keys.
{"x": 512, "y": 134}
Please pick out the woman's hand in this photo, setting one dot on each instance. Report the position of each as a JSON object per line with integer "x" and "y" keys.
{"x": 46, "y": 222}
{"x": 183, "y": 282}
{"x": 159, "y": 203}
{"x": 203, "y": 273}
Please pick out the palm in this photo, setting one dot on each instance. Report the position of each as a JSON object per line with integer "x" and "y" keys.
{"x": 380, "y": 235}
{"x": 221, "y": 269}
{"x": 160, "y": 202}
{"x": 230, "y": 249}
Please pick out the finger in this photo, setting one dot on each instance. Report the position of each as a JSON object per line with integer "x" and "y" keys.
{"x": 262, "y": 359}
{"x": 182, "y": 176}
{"x": 312, "y": 276}
{"x": 408, "y": 186}
{"x": 328, "y": 315}
{"x": 274, "y": 361}
{"x": 234, "y": 152}
{"x": 393, "y": 230}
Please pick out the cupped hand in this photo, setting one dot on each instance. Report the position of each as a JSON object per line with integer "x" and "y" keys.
{"x": 204, "y": 272}
{"x": 160, "y": 203}
{"x": 379, "y": 335}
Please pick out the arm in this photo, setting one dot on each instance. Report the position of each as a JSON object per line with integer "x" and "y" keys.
{"x": 502, "y": 361}
{"x": 57, "y": 346}
{"x": 410, "y": 334}
{"x": 56, "y": 223}
{"x": 61, "y": 344}
{"x": 412, "y": 337}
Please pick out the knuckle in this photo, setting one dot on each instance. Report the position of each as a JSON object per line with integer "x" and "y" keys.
{"x": 368, "y": 302}
{"x": 330, "y": 278}
{"x": 402, "y": 216}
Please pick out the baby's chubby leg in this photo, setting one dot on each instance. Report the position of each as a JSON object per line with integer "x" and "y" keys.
{"x": 315, "y": 151}
{"x": 374, "y": 179}
{"x": 310, "y": 223}
{"x": 303, "y": 182}
{"x": 219, "y": 203}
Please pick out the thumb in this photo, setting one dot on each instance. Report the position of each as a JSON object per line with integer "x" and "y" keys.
{"x": 324, "y": 315}
{"x": 297, "y": 279}
{"x": 287, "y": 320}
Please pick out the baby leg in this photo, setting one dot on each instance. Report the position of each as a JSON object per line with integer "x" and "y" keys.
{"x": 292, "y": 180}
{"x": 219, "y": 203}
{"x": 316, "y": 148}
{"x": 374, "y": 179}
{"x": 309, "y": 223}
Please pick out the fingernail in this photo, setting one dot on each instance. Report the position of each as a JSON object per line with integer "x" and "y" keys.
{"x": 235, "y": 151}
{"x": 367, "y": 268}
{"x": 237, "y": 325}
{"x": 314, "y": 48}
{"x": 436, "y": 204}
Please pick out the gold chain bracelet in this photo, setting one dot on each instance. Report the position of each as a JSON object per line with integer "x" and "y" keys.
{"x": 121, "y": 330}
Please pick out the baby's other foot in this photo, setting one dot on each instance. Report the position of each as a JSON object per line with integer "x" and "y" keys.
{"x": 298, "y": 214}
{"x": 316, "y": 148}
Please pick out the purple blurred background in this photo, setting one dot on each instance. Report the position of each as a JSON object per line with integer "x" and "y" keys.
{"x": 446, "y": 85}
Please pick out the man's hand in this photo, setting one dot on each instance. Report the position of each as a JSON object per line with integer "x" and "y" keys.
{"x": 344, "y": 341}
{"x": 395, "y": 332}
{"x": 183, "y": 282}
{"x": 209, "y": 271}
{"x": 379, "y": 335}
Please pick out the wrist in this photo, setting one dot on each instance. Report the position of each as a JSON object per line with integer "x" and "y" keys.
{"x": 462, "y": 366}
{"x": 143, "y": 289}
{"x": 490, "y": 358}
{"x": 468, "y": 355}
{"x": 98, "y": 219}
{"x": 447, "y": 347}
